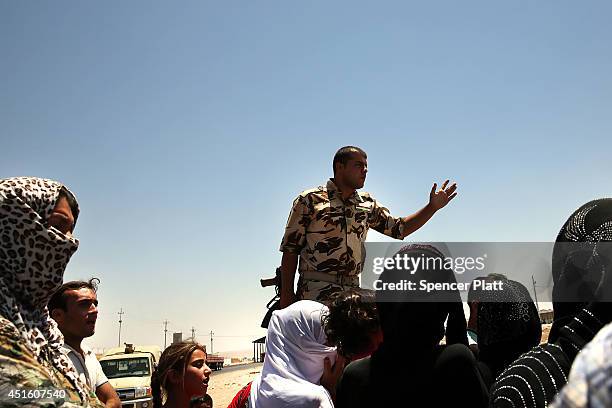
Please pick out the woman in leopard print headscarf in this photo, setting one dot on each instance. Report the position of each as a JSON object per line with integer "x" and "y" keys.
{"x": 36, "y": 221}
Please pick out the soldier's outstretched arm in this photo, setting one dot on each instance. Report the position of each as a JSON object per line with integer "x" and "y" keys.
{"x": 437, "y": 200}
{"x": 288, "y": 266}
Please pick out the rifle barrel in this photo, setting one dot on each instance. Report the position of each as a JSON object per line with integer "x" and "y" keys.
{"x": 267, "y": 282}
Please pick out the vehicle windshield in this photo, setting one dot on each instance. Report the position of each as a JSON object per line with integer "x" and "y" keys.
{"x": 126, "y": 367}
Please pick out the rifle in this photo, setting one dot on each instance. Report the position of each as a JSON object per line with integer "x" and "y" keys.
{"x": 274, "y": 303}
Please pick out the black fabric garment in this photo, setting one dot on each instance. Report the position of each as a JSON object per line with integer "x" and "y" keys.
{"x": 581, "y": 276}
{"x": 537, "y": 376}
{"x": 410, "y": 368}
{"x": 508, "y": 324}
{"x": 403, "y": 312}
{"x": 386, "y": 380}
{"x": 575, "y": 268}
{"x": 447, "y": 377}
{"x": 456, "y": 326}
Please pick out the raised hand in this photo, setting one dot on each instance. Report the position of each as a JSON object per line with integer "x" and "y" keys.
{"x": 439, "y": 198}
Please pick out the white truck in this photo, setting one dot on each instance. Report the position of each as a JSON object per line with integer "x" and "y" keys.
{"x": 129, "y": 371}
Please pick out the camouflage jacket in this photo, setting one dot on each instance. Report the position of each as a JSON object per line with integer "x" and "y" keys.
{"x": 328, "y": 233}
{"x": 24, "y": 382}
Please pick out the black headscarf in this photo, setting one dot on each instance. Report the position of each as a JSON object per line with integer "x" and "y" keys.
{"x": 581, "y": 269}
{"x": 581, "y": 259}
{"x": 416, "y": 318}
{"x": 412, "y": 322}
{"x": 508, "y": 324}
{"x": 410, "y": 368}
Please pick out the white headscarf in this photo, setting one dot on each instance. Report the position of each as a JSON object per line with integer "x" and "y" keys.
{"x": 295, "y": 350}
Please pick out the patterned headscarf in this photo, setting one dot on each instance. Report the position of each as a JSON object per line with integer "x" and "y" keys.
{"x": 507, "y": 315}
{"x": 33, "y": 257}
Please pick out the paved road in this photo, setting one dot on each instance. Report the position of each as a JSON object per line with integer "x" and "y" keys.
{"x": 229, "y": 369}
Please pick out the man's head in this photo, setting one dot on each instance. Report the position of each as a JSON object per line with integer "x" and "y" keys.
{"x": 350, "y": 167}
{"x": 74, "y": 306}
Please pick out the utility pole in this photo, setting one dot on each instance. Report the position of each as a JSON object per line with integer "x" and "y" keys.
{"x": 165, "y": 332}
{"x": 211, "y": 342}
{"x": 535, "y": 294}
{"x": 192, "y": 333}
{"x": 120, "y": 321}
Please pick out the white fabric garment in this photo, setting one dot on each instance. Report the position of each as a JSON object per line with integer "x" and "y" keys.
{"x": 295, "y": 350}
{"x": 87, "y": 365}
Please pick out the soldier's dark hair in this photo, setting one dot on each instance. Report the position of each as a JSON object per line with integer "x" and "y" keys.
{"x": 74, "y": 207}
{"x": 351, "y": 321}
{"x": 346, "y": 153}
{"x": 58, "y": 299}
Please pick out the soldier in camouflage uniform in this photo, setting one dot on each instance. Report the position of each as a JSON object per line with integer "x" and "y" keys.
{"x": 328, "y": 225}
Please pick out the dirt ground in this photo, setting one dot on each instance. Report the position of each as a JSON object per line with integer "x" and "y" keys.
{"x": 545, "y": 332}
{"x": 224, "y": 384}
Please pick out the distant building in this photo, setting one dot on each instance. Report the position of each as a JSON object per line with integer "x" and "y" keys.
{"x": 547, "y": 316}
{"x": 177, "y": 337}
{"x": 259, "y": 350}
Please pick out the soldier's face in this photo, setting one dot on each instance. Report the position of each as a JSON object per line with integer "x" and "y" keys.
{"x": 353, "y": 173}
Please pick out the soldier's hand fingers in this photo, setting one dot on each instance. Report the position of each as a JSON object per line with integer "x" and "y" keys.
{"x": 452, "y": 196}
{"x": 433, "y": 189}
{"x": 451, "y": 189}
{"x": 445, "y": 184}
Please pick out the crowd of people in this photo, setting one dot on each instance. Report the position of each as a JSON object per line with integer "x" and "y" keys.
{"x": 331, "y": 344}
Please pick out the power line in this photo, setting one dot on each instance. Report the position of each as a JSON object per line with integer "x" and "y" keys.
{"x": 251, "y": 336}
{"x": 243, "y": 336}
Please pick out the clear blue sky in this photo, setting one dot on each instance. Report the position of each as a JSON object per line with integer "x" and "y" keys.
{"x": 186, "y": 129}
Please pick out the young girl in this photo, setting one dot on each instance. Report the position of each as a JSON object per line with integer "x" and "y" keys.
{"x": 181, "y": 375}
